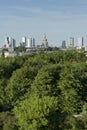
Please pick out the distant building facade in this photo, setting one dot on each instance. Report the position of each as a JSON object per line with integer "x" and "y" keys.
{"x": 31, "y": 42}
{"x": 44, "y": 42}
{"x": 10, "y": 54}
{"x": 80, "y": 43}
{"x": 10, "y": 43}
{"x": 64, "y": 44}
{"x": 71, "y": 42}
{"x": 23, "y": 41}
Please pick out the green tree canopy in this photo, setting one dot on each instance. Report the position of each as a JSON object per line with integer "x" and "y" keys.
{"x": 20, "y": 83}
{"x": 35, "y": 113}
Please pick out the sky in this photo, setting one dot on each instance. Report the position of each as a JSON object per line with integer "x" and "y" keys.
{"x": 58, "y": 19}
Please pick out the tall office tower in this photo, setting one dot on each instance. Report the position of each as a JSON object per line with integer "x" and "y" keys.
{"x": 33, "y": 42}
{"x": 64, "y": 44}
{"x": 44, "y": 41}
{"x": 10, "y": 42}
{"x": 80, "y": 43}
{"x": 23, "y": 41}
{"x": 13, "y": 45}
{"x": 71, "y": 42}
{"x": 29, "y": 42}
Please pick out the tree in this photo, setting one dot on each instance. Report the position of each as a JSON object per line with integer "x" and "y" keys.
{"x": 46, "y": 81}
{"x": 69, "y": 87}
{"x": 20, "y": 83}
{"x": 7, "y": 121}
{"x": 34, "y": 113}
{"x": 20, "y": 49}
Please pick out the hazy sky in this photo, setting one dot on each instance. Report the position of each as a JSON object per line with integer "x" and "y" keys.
{"x": 58, "y": 19}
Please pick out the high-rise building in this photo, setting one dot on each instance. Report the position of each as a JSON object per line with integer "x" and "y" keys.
{"x": 9, "y": 42}
{"x": 71, "y": 42}
{"x": 64, "y": 44}
{"x": 44, "y": 41}
{"x": 80, "y": 43}
{"x": 23, "y": 41}
{"x": 31, "y": 42}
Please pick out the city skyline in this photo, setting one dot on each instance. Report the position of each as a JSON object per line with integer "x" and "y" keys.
{"x": 31, "y": 42}
{"x": 58, "y": 19}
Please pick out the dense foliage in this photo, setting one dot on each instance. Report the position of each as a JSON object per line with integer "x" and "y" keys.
{"x": 45, "y": 91}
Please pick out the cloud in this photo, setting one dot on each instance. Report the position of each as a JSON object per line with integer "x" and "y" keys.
{"x": 18, "y": 20}
{"x": 39, "y": 14}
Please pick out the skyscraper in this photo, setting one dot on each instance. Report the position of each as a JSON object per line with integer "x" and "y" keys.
{"x": 10, "y": 42}
{"x": 23, "y": 41}
{"x": 64, "y": 44}
{"x": 31, "y": 42}
{"x": 44, "y": 41}
{"x": 71, "y": 42}
{"x": 80, "y": 43}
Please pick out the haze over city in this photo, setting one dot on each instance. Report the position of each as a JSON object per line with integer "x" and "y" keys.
{"x": 58, "y": 19}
